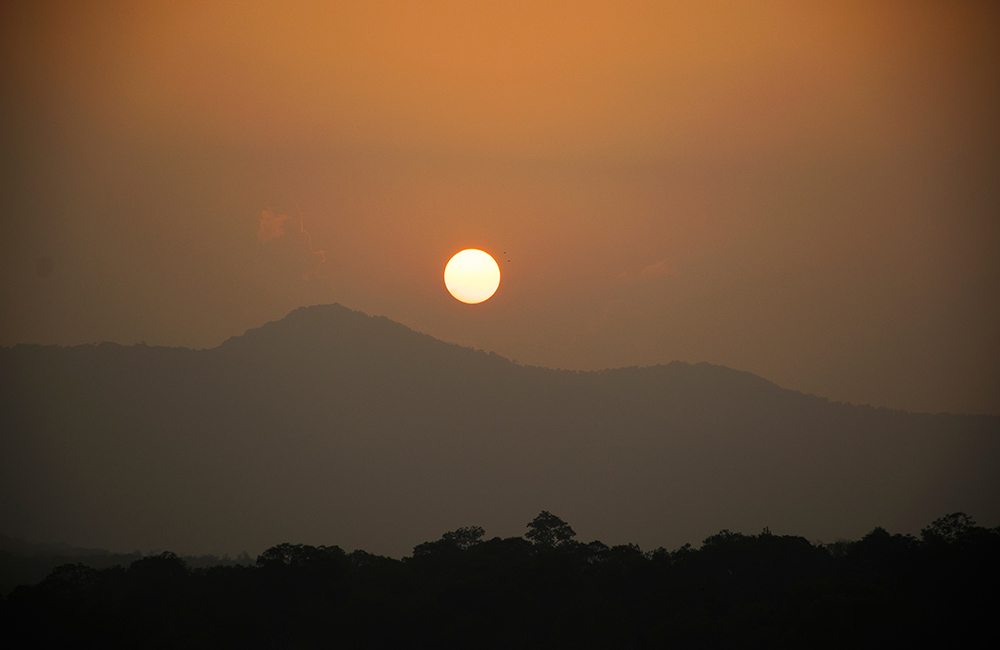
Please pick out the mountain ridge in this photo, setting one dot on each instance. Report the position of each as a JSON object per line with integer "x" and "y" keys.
{"x": 397, "y": 436}
{"x": 309, "y": 319}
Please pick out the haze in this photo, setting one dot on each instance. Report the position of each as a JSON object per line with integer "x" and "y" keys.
{"x": 808, "y": 192}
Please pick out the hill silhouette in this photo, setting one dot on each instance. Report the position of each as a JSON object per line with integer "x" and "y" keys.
{"x": 331, "y": 426}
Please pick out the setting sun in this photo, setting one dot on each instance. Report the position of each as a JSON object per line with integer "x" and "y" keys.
{"x": 472, "y": 276}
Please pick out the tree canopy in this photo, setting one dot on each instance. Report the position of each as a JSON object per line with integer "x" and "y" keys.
{"x": 543, "y": 590}
{"x": 549, "y": 530}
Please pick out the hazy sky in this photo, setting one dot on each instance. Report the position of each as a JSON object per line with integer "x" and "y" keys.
{"x": 809, "y": 191}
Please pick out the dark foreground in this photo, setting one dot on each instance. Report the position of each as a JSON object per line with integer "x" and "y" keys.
{"x": 542, "y": 591}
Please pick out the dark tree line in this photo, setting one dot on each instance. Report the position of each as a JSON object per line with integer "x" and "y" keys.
{"x": 545, "y": 590}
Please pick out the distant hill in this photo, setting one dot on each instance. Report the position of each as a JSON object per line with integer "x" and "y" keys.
{"x": 333, "y": 427}
{"x": 27, "y": 563}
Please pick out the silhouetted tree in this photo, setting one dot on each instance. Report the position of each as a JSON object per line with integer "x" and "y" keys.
{"x": 154, "y": 578}
{"x": 299, "y": 555}
{"x": 466, "y": 536}
{"x": 549, "y": 530}
{"x": 948, "y": 528}
{"x": 451, "y": 542}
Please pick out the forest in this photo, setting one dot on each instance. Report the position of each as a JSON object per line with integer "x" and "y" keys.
{"x": 543, "y": 590}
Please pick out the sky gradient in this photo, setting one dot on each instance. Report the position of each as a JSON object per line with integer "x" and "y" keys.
{"x": 809, "y": 192}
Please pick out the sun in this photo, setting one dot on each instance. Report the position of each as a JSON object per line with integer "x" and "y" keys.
{"x": 472, "y": 276}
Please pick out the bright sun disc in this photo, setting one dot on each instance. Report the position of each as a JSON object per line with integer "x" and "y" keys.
{"x": 472, "y": 276}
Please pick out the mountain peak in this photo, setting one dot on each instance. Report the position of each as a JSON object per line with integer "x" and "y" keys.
{"x": 335, "y": 332}
{"x": 315, "y": 323}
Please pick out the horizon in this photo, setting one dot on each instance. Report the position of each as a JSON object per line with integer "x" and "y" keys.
{"x": 28, "y": 547}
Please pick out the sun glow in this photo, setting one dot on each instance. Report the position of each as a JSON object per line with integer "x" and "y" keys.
{"x": 472, "y": 276}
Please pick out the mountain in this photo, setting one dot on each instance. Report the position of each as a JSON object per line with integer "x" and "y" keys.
{"x": 333, "y": 427}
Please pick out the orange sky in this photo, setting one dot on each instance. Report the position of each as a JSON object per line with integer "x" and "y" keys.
{"x": 807, "y": 191}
